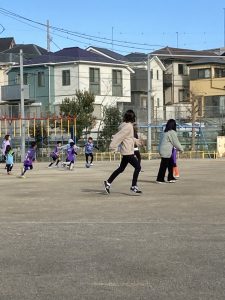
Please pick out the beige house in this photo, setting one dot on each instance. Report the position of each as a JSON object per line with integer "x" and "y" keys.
{"x": 207, "y": 86}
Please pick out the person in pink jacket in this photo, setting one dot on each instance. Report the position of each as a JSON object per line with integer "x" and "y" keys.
{"x": 126, "y": 140}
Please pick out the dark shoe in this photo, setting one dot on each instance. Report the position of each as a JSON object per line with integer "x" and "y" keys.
{"x": 107, "y": 187}
{"x": 135, "y": 190}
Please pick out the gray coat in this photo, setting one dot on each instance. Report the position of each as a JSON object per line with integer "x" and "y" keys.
{"x": 169, "y": 141}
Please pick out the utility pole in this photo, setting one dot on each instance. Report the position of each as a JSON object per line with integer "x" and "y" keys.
{"x": 48, "y": 37}
{"x": 149, "y": 106}
{"x": 177, "y": 38}
{"x": 22, "y": 115}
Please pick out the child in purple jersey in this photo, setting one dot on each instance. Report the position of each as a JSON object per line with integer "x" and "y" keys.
{"x": 71, "y": 156}
{"x": 55, "y": 155}
{"x": 29, "y": 159}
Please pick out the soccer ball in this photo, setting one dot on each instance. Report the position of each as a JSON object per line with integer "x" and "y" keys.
{"x": 88, "y": 165}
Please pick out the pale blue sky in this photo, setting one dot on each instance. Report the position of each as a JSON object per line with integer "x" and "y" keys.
{"x": 193, "y": 24}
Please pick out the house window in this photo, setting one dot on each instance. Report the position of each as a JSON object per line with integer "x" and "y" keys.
{"x": 143, "y": 102}
{"x": 94, "y": 79}
{"x": 41, "y": 79}
{"x": 200, "y": 73}
{"x": 151, "y": 73}
{"x": 219, "y": 72}
{"x": 117, "y": 83}
{"x": 183, "y": 95}
{"x": 182, "y": 69}
{"x": 66, "y": 77}
{"x": 157, "y": 74}
{"x": 25, "y": 78}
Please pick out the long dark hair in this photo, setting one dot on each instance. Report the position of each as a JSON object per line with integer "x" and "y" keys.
{"x": 171, "y": 125}
{"x": 129, "y": 116}
{"x": 7, "y": 149}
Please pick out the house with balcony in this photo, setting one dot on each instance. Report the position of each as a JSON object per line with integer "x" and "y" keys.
{"x": 207, "y": 86}
{"x": 176, "y": 79}
{"x": 50, "y": 78}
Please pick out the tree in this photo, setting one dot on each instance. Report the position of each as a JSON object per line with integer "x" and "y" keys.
{"x": 81, "y": 107}
{"x": 112, "y": 119}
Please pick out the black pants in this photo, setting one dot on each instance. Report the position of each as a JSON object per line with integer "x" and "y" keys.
{"x": 166, "y": 163}
{"x": 138, "y": 155}
{"x": 89, "y": 154}
{"x": 127, "y": 159}
{"x": 9, "y": 168}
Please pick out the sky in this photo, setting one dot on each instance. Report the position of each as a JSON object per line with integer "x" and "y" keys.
{"x": 124, "y": 26}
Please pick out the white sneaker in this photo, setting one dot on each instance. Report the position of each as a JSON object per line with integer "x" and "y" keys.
{"x": 160, "y": 182}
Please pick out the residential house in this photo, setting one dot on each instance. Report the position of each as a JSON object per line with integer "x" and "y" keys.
{"x": 176, "y": 79}
{"x": 55, "y": 76}
{"x": 207, "y": 87}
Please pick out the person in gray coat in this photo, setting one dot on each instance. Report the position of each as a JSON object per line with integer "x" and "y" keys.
{"x": 168, "y": 141}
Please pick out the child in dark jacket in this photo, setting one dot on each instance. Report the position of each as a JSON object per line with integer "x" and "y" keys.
{"x": 55, "y": 155}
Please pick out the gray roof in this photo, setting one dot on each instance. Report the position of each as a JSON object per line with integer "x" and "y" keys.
{"x": 110, "y": 53}
{"x": 70, "y": 54}
{"x": 137, "y": 57}
{"x": 29, "y": 50}
{"x": 181, "y": 54}
{"x": 208, "y": 61}
{"x": 6, "y": 43}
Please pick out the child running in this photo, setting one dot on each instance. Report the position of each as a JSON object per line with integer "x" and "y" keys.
{"x": 29, "y": 159}
{"x": 89, "y": 147}
{"x": 9, "y": 159}
{"x": 169, "y": 141}
{"x": 125, "y": 138}
{"x": 5, "y": 143}
{"x": 55, "y": 155}
{"x": 71, "y": 156}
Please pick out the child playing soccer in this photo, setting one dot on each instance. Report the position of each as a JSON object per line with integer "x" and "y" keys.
{"x": 9, "y": 159}
{"x": 71, "y": 156}
{"x": 89, "y": 147}
{"x": 29, "y": 159}
{"x": 55, "y": 155}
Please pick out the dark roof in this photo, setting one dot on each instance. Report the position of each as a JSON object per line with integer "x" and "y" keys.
{"x": 136, "y": 57}
{"x": 208, "y": 61}
{"x": 181, "y": 54}
{"x": 6, "y": 43}
{"x": 70, "y": 54}
{"x": 110, "y": 53}
{"x": 29, "y": 50}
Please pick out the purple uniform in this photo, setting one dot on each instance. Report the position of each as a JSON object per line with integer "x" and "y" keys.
{"x": 56, "y": 152}
{"x": 71, "y": 154}
{"x": 30, "y": 157}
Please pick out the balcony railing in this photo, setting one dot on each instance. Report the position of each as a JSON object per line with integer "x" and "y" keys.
{"x": 13, "y": 92}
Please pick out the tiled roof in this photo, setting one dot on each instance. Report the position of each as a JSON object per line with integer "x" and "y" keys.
{"x": 179, "y": 53}
{"x": 71, "y": 54}
{"x": 136, "y": 57}
{"x": 29, "y": 50}
{"x": 6, "y": 43}
{"x": 208, "y": 61}
{"x": 110, "y": 53}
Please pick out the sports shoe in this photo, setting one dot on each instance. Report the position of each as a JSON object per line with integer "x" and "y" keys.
{"x": 107, "y": 187}
{"x": 160, "y": 182}
{"x": 172, "y": 181}
{"x": 91, "y": 164}
{"x": 135, "y": 189}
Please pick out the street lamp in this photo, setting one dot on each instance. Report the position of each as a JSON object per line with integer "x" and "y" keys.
{"x": 149, "y": 106}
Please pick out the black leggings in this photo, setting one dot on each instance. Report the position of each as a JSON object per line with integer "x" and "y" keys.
{"x": 166, "y": 163}
{"x": 89, "y": 154}
{"x": 127, "y": 159}
{"x": 138, "y": 155}
{"x": 9, "y": 167}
